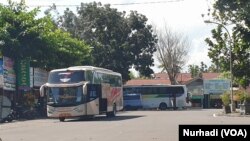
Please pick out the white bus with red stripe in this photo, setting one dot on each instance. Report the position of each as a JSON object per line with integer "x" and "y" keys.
{"x": 81, "y": 91}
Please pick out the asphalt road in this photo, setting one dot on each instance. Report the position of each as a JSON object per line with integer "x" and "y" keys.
{"x": 127, "y": 126}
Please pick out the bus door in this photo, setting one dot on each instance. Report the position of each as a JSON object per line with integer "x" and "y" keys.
{"x": 103, "y": 99}
{"x": 93, "y": 99}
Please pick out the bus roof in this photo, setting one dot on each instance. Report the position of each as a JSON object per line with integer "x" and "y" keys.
{"x": 75, "y": 68}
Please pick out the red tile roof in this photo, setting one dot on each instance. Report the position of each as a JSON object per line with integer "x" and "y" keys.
{"x": 148, "y": 82}
{"x": 208, "y": 76}
{"x": 163, "y": 75}
{"x": 162, "y": 78}
{"x": 182, "y": 77}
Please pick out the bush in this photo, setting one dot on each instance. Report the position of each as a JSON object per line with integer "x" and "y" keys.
{"x": 247, "y": 98}
{"x": 241, "y": 95}
{"x": 225, "y": 98}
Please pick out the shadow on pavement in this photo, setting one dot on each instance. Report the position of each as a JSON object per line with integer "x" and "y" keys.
{"x": 104, "y": 118}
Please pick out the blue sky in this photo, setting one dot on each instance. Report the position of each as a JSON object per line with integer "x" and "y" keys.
{"x": 183, "y": 16}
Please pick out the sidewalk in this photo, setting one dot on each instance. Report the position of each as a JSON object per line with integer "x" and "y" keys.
{"x": 237, "y": 113}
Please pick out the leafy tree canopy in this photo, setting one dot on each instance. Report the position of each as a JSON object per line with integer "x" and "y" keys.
{"x": 23, "y": 35}
{"x": 237, "y": 15}
{"x": 119, "y": 40}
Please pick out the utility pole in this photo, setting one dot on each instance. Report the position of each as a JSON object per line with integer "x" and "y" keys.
{"x": 231, "y": 71}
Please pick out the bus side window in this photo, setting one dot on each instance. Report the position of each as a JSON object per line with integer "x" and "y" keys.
{"x": 105, "y": 78}
{"x": 89, "y": 76}
{"x": 116, "y": 81}
{"x": 112, "y": 81}
{"x": 97, "y": 78}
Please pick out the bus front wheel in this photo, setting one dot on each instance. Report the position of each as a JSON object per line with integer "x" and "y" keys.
{"x": 163, "y": 106}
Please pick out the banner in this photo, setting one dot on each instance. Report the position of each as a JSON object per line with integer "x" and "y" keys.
{"x": 9, "y": 76}
{"x": 23, "y": 69}
{"x": 31, "y": 77}
{"x": 216, "y": 86}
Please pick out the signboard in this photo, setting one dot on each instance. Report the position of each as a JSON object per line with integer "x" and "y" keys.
{"x": 216, "y": 86}
{"x": 40, "y": 77}
{"x": 9, "y": 76}
{"x": 31, "y": 77}
{"x": 23, "y": 69}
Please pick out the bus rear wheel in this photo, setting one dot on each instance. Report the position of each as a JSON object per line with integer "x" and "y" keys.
{"x": 112, "y": 113}
{"x": 62, "y": 119}
{"x": 163, "y": 106}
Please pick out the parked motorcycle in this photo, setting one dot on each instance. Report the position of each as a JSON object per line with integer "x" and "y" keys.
{"x": 21, "y": 112}
{"x": 8, "y": 118}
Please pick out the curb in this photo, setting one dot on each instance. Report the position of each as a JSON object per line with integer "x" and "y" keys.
{"x": 235, "y": 114}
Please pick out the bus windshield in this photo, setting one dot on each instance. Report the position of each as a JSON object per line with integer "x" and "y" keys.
{"x": 66, "y": 96}
{"x": 59, "y": 77}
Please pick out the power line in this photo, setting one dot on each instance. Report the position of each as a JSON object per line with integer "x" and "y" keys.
{"x": 121, "y": 4}
{"x": 155, "y": 2}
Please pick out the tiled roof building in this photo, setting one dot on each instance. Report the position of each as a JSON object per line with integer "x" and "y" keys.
{"x": 148, "y": 82}
{"x": 162, "y": 78}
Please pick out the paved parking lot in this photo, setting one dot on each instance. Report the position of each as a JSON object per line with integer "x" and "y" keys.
{"x": 127, "y": 126}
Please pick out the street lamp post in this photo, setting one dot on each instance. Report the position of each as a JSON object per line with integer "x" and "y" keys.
{"x": 230, "y": 53}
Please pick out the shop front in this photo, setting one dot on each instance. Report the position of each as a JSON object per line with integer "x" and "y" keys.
{"x": 215, "y": 101}
{"x": 38, "y": 77}
{"x": 7, "y": 85}
{"x": 20, "y": 84}
{"x": 197, "y": 100}
{"x": 213, "y": 89}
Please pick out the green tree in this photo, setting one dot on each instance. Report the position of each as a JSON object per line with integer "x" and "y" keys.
{"x": 64, "y": 50}
{"x": 132, "y": 75}
{"x": 203, "y": 67}
{"x": 213, "y": 68}
{"x": 18, "y": 30}
{"x": 236, "y": 14}
{"x": 119, "y": 41}
{"x": 23, "y": 35}
{"x": 194, "y": 70}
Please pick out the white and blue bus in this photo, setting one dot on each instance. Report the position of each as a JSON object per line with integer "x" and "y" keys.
{"x": 81, "y": 91}
{"x": 160, "y": 96}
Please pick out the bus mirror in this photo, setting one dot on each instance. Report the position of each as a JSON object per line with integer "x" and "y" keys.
{"x": 84, "y": 87}
{"x": 42, "y": 90}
